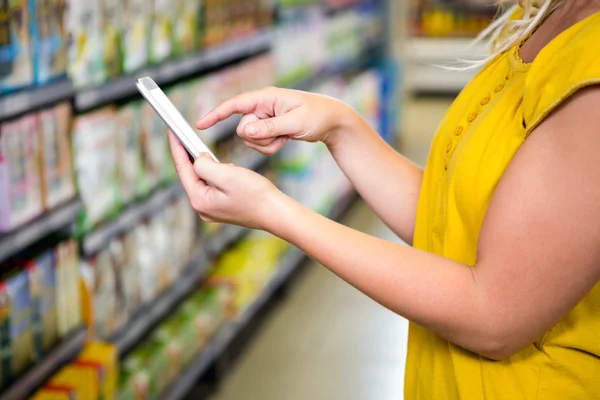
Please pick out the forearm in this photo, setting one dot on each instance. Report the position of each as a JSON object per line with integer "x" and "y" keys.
{"x": 386, "y": 180}
{"x": 437, "y": 293}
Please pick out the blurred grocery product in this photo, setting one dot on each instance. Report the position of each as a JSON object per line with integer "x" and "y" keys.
{"x": 20, "y": 189}
{"x": 57, "y": 168}
{"x": 49, "y": 39}
{"x": 95, "y": 162}
{"x": 16, "y": 61}
{"x": 452, "y": 18}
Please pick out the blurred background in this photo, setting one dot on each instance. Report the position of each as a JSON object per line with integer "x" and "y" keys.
{"x": 111, "y": 287}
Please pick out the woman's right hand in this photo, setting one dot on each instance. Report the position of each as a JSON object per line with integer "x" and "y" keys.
{"x": 272, "y": 116}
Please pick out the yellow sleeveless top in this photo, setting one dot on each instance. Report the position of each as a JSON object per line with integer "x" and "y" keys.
{"x": 477, "y": 139}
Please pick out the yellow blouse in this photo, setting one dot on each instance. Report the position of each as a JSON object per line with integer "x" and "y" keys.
{"x": 477, "y": 139}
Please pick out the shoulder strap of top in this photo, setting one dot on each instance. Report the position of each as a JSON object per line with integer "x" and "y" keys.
{"x": 567, "y": 64}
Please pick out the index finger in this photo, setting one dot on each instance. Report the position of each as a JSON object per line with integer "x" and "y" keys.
{"x": 245, "y": 103}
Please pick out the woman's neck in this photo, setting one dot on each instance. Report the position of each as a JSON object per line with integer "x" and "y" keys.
{"x": 568, "y": 14}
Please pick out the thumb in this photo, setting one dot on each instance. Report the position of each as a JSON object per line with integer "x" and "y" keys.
{"x": 269, "y": 128}
{"x": 211, "y": 171}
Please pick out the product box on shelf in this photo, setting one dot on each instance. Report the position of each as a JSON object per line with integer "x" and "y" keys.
{"x": 128, "y": 298}
{"x": 99, "y": 276}
{"x": 68, "y": 287}
{"x": 15, "y": 324}
{"x": 16, "y": 64}
{"x": 57, "y": 168}
{"x": 20, "y": 193}
{"x": 55, "y": 393}
{"x": 44, "y": 312}
{"x": 187, "y": 30}
{"x": 86, "y": 52}
{"x": 128, "y": 141}
{"x": 136, "y": 34}
{"x": 145, "y": 254}
{"x": 149, "y": 366}
{"x": 49, "y": 39}
{"x": 163, "y": 24}
{"x": 155, "y": 148}
{"x": 82, "y": 381}
{"x": 95, "y": 162}
{"x": 104, "y": 357}
{"x": 111, "y": 26}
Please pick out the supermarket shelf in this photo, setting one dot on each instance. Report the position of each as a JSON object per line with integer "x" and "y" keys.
{"x": 157, "y": 311}
{"x": 13, "y": 242}
{"x": 189, "y": 377}
{"x": 228, "y": 235}
{"x": 40, "y": 373}
{"x": 130, "y": 218}
{"x": 12, "y": 105}
{"x": 290, "y": 262}
{"x": 124, "y": 86}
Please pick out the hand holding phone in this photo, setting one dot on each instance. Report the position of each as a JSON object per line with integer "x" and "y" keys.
{"x": 172, "y": 118}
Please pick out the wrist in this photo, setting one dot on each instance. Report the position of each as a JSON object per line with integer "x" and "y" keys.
{"x": 277, "y": 209}
{"x": 345, "y": 120}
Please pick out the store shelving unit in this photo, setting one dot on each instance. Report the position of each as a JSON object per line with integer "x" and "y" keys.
{"x": 41, "y": 371}
{"x": 219, "y": 344}
{"x": 152, "y": 314}
{"x": 99, "y": 238}
{"x": 171, "y": 71}
{"x": 12, "y": 105}
{"x": 148, "y": 317}
{"x": 39, "y": 228}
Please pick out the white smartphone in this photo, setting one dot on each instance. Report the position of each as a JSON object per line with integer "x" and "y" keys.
{"x": 172, "y": 118}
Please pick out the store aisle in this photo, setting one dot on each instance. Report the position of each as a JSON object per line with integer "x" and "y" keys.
{"x": 326, "y": 340}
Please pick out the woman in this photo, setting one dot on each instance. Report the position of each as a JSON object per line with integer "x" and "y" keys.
{"x": 501, "y": 285}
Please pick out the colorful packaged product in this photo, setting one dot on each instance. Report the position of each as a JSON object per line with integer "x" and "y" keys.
{"x": 49, "y": 37}
{"x": 104, "y": 354}
{"x": 44, "y": 318}
{"x": 98, "y": 275}
{"x": 128, "y": 152}
{"x": 163, "y": 21}
{"x": 146, "y": 256}
{"x": 16, "y": 64}
{"x": 155, "y": 147}
{"x": 153, "y": 363}
{"x": 111, "y": 22}
{"x": 57, "y": 168}
{"x": 20, "y": 193}
{"x": 136, "y": 34}
{"x": 85, "y": 45}
{"x": 83, "y": 381}
{"x": 186, "y": 30}
{"x": 55, "y": 392}
{"x": 134, "y": 380}
{"x": 95, "y": 161}
{"x": 15, "y": 324}
{"x": 122, "y": 251}
{"x": 167, "y": 338}
{"x": 68, "y": 287}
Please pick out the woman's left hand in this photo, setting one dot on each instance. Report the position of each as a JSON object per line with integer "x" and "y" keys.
{"x": 236, "y": 196}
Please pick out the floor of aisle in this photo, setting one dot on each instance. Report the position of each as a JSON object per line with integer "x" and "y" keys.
{"x": 326, "y": 340}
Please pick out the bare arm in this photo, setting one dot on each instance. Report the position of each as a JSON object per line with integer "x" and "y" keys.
{"x": 538, "y": 254}
{"x": 386, "y": 180}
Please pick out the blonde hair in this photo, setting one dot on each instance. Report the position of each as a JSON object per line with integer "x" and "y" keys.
{"x": 506, "y": 32}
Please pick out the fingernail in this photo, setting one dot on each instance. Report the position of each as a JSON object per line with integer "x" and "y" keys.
{"x": 251, "y": 130}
